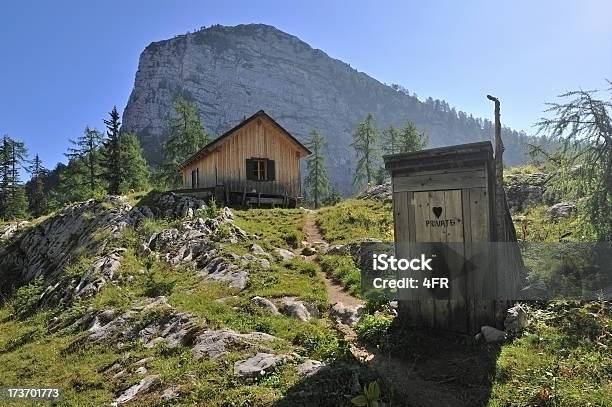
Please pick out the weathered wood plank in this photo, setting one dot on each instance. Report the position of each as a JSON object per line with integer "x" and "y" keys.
{"x": 440, "y": 181}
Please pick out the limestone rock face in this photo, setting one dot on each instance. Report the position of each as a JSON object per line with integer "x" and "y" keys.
{"x": 232, "y": 72}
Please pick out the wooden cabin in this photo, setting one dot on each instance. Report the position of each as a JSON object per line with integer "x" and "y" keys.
{"x": 255, "y": 162}
{"x": 444, "y": 198}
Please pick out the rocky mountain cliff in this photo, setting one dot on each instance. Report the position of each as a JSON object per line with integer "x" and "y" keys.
{"x": 232, "y": 72}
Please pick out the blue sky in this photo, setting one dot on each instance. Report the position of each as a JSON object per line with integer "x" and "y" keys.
{"x": 64, "y": 64}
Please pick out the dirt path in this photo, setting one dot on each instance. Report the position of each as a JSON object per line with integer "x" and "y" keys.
{"x": 335, "y": 291}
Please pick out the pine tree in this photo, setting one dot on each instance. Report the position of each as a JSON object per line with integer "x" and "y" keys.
{"x": 134, "y": 168}
{"x": 186, "y": 136}
{"x": 12, "y": 197}
{"x": 316, "y": 182}
{"x": 364, "y": 142}
{"x": 87, "y": 149}
{"x": 111, "y": 153}
{"x": 36, "y": 188}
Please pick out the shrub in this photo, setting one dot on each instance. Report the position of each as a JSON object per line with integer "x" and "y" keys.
{"x": 321, "y": 345}
{"x": 373, "y": 329}
{"x": 26, "y": 299}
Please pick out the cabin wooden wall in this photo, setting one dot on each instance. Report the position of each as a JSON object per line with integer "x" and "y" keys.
{"x": 257, "y": 139}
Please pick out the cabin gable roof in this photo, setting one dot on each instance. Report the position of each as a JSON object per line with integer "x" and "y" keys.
{"x": 219, "y": 140}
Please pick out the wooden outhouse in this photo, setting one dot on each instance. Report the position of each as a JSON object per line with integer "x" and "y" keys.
{"x": 255, "y": 162}
{"x": 445, "y": 196}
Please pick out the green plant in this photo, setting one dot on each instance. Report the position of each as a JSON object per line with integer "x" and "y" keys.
{"x": 370, "y": 396}
{"x": 373, "y": 329}
{"x": 27, "y": 297}
{"x": 156, "y": 283}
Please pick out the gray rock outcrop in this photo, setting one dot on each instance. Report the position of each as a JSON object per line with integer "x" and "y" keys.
{"x": 562, "y": 210}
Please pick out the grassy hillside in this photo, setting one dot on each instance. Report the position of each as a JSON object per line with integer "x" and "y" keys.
{"x": 42, "y": 346}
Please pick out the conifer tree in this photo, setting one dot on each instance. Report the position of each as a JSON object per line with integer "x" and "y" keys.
{"x": 581, "y": 127}
{"x": 316, "y": 182}
{"x": 36, "y": 188}
{"x": 111, "y": 154}
{"x": 365, "y": 142}
{"x": 410, "y": 139}
{"x": 12, "y": 196}
{"x": 186, "y": 136}
{"x": 134, "y": 168}
{"x": 87, "y": 149}
{"x": 390, "y": 137}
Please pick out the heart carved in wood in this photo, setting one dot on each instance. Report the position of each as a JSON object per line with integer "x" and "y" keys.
{"x": 437, "y": 210}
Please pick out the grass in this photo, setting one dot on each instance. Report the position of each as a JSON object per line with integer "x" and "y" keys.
{"x": 275, "y": 227}
{"x": 562, "y": 360}
{"x": 536, "y": 226}
{"x": 343, "y": 269}
{"x": 354, "y": 220}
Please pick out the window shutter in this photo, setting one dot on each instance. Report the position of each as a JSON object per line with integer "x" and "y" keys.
{"x": 271, "y": 174}
{"x": 250, "y": 170}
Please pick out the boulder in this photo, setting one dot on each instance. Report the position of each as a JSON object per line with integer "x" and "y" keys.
{"x": 214, "y": 344}
{"x": 265, "y": 303}
{"x": 562, "y": 210}
{"x": 284, "y": 254}
{"x": 492, "y": 335}
{"x": 310, "y": 367}
{"x": 259, "y": 364}
{"x": 382, "y": 192}
{"x": 144, "y": 386}
{"x": 516, "y": 319}
{"x": 524, "y": 191}
{"x": 257, "y": 250}
{"x": 345, "y": 314}
{"x": 296, "y": 309}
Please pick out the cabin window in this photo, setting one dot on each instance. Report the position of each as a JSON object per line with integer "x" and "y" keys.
{"x": 195, "y": 178}
{"x": 260, "y": 169}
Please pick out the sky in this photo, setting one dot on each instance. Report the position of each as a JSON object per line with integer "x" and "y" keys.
{"x": 64, "y": 64}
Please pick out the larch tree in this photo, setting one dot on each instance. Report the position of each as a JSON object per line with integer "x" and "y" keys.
{"x": 87, "y": 149}
{"x": 111, "y": 153}
{"x": 582, "y": 165}
{"x": 186, "y": 135}
{"x": 365, "y": 141}
{"x": 410, "y": 140}
{"x": 390, "y": 137}
{"x": 36, "y": 187}
{"x": 316, "y": 181}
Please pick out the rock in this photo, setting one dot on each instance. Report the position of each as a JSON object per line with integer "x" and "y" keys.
{"x": 345, "y": 314}
{"x": 382, "y": 192}
{"x": 141, "y": 370}
{"x": 524, "y": 191}
{"x": 284, "y": 254}
{"x": 265, "y": 303}
{"x": 257, "y": 250}
{"x": 294, "y": 308}
{"x": 516, "y": 319}
{"x": 492, "y": 335}
{"x": 562, "y": 210}
{"x": 144, "y": 386}
{"x": 310, "y": 367}
{"x": 214, "y": 343}
{"x": 309, "y": 251}
{"x": 257, "y": 365}
{"x": 170, "y": 393}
